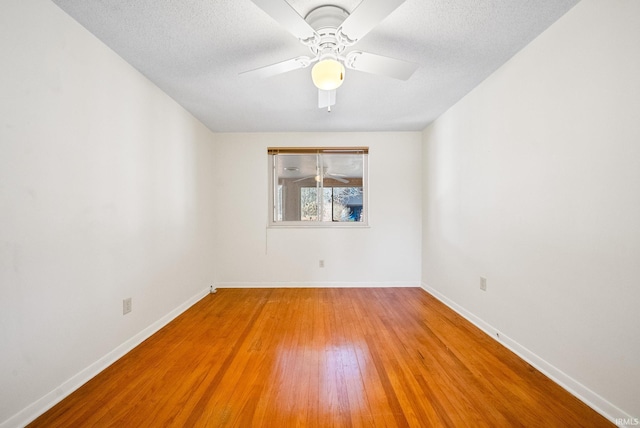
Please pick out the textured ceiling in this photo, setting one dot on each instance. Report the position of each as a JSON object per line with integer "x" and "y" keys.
{"x": 194, "y": 50}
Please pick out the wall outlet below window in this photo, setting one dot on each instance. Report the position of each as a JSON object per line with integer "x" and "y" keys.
{"x": 483, "y": 284}
{"x": 321, "y": 263}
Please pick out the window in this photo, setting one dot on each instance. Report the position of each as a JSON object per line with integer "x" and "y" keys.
{"x": 318, "y": 186}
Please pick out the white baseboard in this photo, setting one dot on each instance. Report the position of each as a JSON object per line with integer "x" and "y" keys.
{"x": 32, "y": 411}
{"x": 589, "y": 397}
{"x": 319, "y": 284}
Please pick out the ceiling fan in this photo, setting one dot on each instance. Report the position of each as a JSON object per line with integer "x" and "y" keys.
{"x": 328, "y": 31}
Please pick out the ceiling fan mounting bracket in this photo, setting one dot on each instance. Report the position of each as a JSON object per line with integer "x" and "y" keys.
{"x": 304, "y": 61}
{"x": 311, "y": 41}
{"x": 351, "y": 58}
{"x": 344, "y": 39}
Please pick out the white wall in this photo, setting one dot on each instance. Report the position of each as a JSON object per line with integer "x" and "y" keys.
{"x": 105, "y": 193}
{"x": 387, "y": 253}
{"x": 533, "y": 181}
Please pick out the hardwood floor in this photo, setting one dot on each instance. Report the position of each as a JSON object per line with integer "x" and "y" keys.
{"x": 320, "y": 357}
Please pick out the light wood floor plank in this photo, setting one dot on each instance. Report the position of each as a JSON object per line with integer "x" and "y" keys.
{"x": 320, "y": 358}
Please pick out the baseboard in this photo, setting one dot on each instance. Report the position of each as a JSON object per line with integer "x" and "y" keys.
{"x": 31, "y": 412}
{"x": 318, "y": 284}
{"x": 589, "y": 397}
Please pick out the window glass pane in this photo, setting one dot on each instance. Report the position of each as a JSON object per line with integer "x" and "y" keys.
{"x": 277, "y": 216}
{"x": 347, "y": 203}
{"x": 318, "y": 187}
{"x": 293, "y": 171}
{"x": 309, "y": 204}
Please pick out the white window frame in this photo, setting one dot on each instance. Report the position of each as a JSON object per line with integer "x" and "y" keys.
{"x": 271, "y": 151}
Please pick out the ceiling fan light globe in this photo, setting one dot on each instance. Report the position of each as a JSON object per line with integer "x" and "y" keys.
{"x": 328, "y": 74}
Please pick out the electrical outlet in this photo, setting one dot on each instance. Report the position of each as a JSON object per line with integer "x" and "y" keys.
{"x": 321, "y": 263}
{"x": 483, "y": 284}
{"x": 126, "y": 306}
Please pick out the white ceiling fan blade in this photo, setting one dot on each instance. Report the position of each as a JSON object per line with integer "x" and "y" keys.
{"x": 382, "y": 65}
{"x": 280, "y": 67}
{"x": 326, "y": 98}
{"x": 340, "y": 179}
{"x": 304, "y": 178}
{"x": 287, "y": 16}
{"x": 366, "y": 16}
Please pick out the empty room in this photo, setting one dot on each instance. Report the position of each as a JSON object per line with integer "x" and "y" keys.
{"x": 356, "y": 213}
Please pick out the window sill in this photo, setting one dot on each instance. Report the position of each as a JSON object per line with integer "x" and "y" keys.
{"x": 318, "y": 225}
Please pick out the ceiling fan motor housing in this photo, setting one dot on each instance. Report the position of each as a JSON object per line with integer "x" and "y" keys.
{"x": 326, "y": 20}
{"x": 326, "y": 16}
